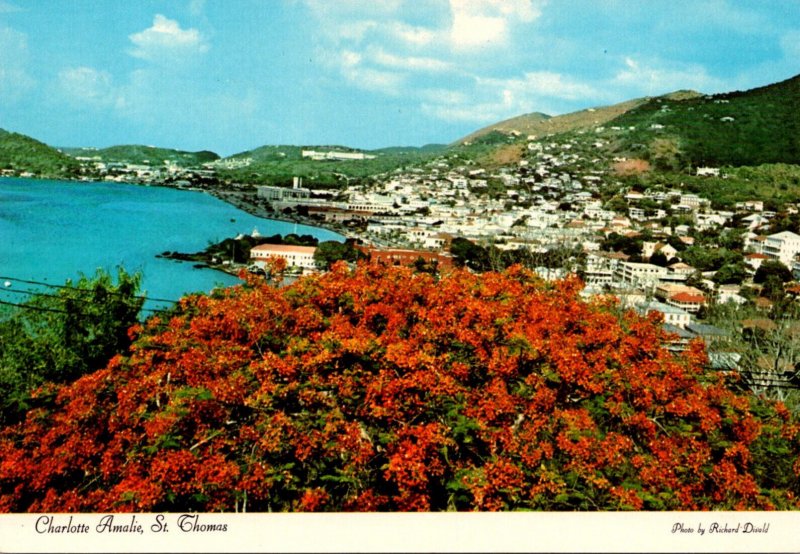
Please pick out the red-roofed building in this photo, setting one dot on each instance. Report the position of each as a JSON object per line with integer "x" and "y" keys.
{"x": 687, "y": 301}
{"x": 399, "y": 256}
{"x": 295, "y": 256}
{"x": 755, "y": 260}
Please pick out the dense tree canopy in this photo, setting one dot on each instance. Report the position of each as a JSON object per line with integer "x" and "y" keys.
{"x": 61, "y": 336}
{"x": 772, "y": 268}
{"x": 384, "y": 389}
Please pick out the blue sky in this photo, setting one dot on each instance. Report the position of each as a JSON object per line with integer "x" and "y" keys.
{"x": 230, "y": 75}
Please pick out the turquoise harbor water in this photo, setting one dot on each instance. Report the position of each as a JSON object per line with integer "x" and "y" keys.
{"x": 51, "y": 231}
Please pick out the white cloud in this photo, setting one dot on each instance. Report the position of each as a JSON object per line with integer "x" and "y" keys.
{"x": 496, "y": 109}
{"x": 166, "y": 41}
{"x": 349, "y": 9}
{"x": 485, "y": 23}
{"x": 412, "y": 35}
{"x": 653, "y": 77}
{"x": 492, "y": 99}
{"x": 356, "y": 72}
{"x": 547, "y": 84}
{"x": 15, "y": 80}
{"x": 411, "y": 63}
{"x": 89, "y": 86}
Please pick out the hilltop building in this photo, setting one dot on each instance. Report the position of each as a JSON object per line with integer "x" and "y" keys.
{"x": 336, "y": 156}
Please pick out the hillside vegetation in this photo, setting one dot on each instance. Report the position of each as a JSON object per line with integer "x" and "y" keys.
{"x": 381, "y": 389}
{"x": 21, "y": 153}
{"x": 279, "y": 164}
{"x": 149, "y": 155}
{"x": 753, "y": 127}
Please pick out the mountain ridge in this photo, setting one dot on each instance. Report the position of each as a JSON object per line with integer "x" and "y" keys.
{"x": 678, "y": 130}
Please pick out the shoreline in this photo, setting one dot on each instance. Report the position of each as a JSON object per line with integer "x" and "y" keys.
{"x": 238, "y": 201}
{"x": 233, "y": 198}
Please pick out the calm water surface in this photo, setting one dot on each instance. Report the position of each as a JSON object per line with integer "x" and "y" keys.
{"x": 52, "y": 231}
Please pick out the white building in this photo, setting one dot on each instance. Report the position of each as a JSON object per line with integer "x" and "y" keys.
{"x": 645, "y": 275}
{"x": 783, "y": 247}
{"x": 284, "y": 194}
{"x": 333, "y": 155}
{"x": 672, "y": 315}
{"x": 295, "y": 256}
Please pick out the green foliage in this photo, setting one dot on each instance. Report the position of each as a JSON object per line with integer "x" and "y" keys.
{"x": 738, "y": 128}
{"x": 620, "y": 243}
{"x": 57, "y": 338}
{"x": 147, "y": 155}
{"x": 276, "y": 165}
{"x": 730, "y": 274}
{"x": 238, "y": 249}
{"x": 331, "y": 251}
{"x": 21, "y": 153}
{"x": 706, "y": 259}
{"x": 491, "y": 258}
{"x": 772, "y": 268}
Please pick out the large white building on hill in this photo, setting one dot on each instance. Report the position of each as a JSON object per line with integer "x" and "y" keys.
{"x": 783, "y": 246}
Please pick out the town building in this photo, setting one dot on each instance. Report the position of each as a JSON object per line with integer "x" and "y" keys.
{"x": 783, "y": 246}
{"x": 295, "y": 256}
{"x": 672, "y": 315}
{"x": 646, "y": 275}
{"x": 407, "y": 256}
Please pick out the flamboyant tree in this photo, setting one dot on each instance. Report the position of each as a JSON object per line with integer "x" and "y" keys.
{"x": 385, "y": 389}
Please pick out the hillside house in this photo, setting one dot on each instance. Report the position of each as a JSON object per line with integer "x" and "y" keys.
{"x": 783, "y": 246}
{"x": 672, "y": 315}
{"x": 641, "y": 274}
{"x": 687, "y": 301}
{"x": 754, "y": 260}
{"x": 650, "y": 248}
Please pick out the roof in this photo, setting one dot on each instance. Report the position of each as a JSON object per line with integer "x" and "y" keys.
{"x": 665, "y": 309}
{"x": 785, "y": 235}
{"x": 283, "y": 248}
{"x": 756, "y": 256}
{"x": 724, "y": 360}
{"x": 688, "y": 297}
{"x": 706, "y": 330}
{"x": 675, "y": 330}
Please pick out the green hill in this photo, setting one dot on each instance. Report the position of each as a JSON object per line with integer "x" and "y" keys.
{"x": 147, "y": 155}
{"x": 21, "y": 153}
{"x": 277, "y": 164}
{"x": 752, "y": 127}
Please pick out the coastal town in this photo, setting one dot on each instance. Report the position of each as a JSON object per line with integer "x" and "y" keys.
{"x": 548, "y": 207}
{"x": 534, "y": 205}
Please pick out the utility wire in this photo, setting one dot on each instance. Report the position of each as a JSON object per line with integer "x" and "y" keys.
{"x": 35, "y": 308}
{"x": 68, "y": 287}
{"x": 162, "y": 325}
{"x": 57, "y": 297}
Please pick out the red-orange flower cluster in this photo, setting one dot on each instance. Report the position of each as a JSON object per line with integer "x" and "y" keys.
{"x": 385, "y": 389}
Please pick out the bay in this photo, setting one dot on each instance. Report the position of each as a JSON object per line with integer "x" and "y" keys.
{"x": 51, "y": 231}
